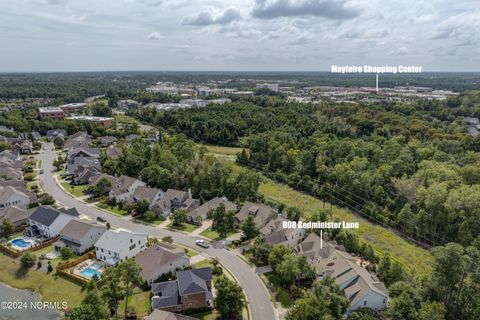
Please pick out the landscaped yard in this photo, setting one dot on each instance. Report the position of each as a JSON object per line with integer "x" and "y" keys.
{"x": 187, "y": 227}
{"x": 214, "y": 235}
{"x": 203, "y": 264}
{"x": 140, "y": 301}
{"x": 52, "y": 288}
{"x": 76, "y": 190}
{"x": 208, "y": 315}
{"x": 281, "y": 294}
{"x": 190, "y": 252}
{"x": 155, "y": 221}
{"x": 115, "y": 210}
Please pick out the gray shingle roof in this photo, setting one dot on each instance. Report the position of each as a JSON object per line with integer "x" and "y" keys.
{"x": 45, "y": 215}
{"x": 166, "y": 294}
{"x": 194, "y": 280}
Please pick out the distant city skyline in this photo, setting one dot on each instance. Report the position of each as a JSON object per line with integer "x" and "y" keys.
{"x": 252, "y": 35}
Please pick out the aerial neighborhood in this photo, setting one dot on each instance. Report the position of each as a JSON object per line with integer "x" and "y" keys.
{"x": 104, "y": 199}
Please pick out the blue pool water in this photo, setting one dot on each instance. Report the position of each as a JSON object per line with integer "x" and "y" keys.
{"x": 19, "y": 242}
{"x": 89, "y": 272}
{"x": 95, "y": 266}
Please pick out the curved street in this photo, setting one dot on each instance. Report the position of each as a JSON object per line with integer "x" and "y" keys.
{"x": 257, "y": 295}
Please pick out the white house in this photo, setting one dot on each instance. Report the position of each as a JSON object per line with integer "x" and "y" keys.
{"x": 124, "y": 188}
{"x": 47, "y": 222}
{"x": 9, "y": 196}
{"x": 117, "y": 245}
{"x": 14, "y": 156}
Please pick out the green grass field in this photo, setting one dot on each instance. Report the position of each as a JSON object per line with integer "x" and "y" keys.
{"x": 75, "y": 190}
{"x": 186, "y": 227}
{"x": 51, "y": 287}
{"x": 214, "y": 235}
{"x": 140, "y": 300}
{"x": 115, "y": 210}
{"x": 382, "y": 240}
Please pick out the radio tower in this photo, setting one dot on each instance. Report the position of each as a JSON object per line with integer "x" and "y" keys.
{"x": 376, "y": 87}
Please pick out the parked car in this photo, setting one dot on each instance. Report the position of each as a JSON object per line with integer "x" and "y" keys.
{"x": 101, "y": 219}
{"x": 202, "y": 243}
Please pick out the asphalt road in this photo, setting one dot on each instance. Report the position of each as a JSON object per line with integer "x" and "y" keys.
{"x": 259, "y": 299}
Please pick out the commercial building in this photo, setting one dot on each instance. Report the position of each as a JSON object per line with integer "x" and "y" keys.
{"x": 51, "y": 113}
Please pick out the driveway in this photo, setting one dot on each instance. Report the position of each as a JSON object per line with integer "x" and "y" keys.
{"x": 259, "y": 300}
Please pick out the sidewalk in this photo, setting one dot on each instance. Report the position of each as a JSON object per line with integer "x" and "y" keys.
{"x": 205, "y": 225}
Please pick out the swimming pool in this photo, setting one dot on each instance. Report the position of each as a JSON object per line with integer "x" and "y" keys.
{"x": 89, "y": 273}
{"x": 21, "y": 244}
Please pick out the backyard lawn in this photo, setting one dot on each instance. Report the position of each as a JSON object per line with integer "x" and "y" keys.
{"x": 51, "y": 287}
{"x": 140, "y": 301}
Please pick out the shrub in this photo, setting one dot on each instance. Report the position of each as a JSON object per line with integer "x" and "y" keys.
{"x": 28, "y": 260}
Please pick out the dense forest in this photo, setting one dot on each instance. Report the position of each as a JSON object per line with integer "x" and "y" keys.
{"x": 411, "y": 166}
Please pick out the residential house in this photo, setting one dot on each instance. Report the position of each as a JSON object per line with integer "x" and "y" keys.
{"x": 15, "y": 215}
{"x": 328, "y": 258}
{"x": 9, "y": 196}
{"x": 79, "y": 235}
{"x": 127, "y": 104}
{"x": 83, "y": 174}
{"x": 25, "y": 147}
{"x": 107, "y": 141}
{"x": 165, "y": 315}
{"x": 275, "y": 233}
{"x": 192, "y": 290}
{"x": 151, "y": 195}
{"x": 83, "y": 152}
{"x": 261, "y": 213}
{"x": 117, "y": 245}
{"x": 8, "y": 173}
{"x": 175, "y": 199}
{"x": 160, "y": 259}
{"x": 76, "y": 168}
{"x": 7, "y": 162}
{"x": 202, "y": 212}
{"x": 77, "y": 140}
{"x": 36, "y": 136}
{"x": 112, "y": 152}
{"x": 56, "y": 133}
{"x": 124, "y": 188}
{"x": 11, "y": 155}
{"x": 95, "y": 178}
{"x": 46, "y": 222}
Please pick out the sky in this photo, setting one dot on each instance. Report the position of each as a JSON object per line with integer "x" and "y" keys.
{"x": 237, "y": 35}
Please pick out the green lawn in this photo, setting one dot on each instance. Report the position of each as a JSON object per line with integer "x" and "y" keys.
{"x": 203, "y": 264}
{"x": 52, "y": 288}
{"x": 382, "y": 240}
{"x": 187, "y": 227}
{"x": 208, "y": 315}
{"x": 155, "y": 221}
{"x": 190, "y": 252}
{"x": 75, "y": 190}
{"x": 214, "y": 235}
{"x": 140, "y": 300}
{"x": 115, "y": 210}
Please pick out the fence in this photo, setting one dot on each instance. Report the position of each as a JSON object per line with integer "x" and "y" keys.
{"x": 15, "y": 253}
{"x": 63, "y": 268}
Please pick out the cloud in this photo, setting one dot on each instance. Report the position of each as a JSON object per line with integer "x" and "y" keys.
{"x": 155, "y": 36}
{"x": 464, "y": 29}
{"x": 370, "y": 33}
{"x": 151, "y": 3}
{"x": 331, "y": 9}
{"x": 207, "y": 18}
{"x": 424, "y": 18}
